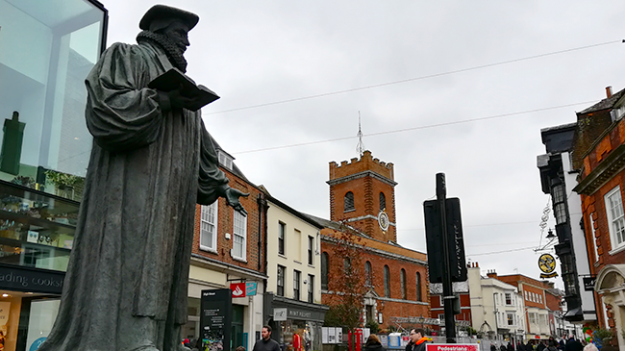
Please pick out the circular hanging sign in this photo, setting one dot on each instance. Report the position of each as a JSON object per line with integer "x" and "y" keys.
{"x": 546, "y": 263}
{"x": 383, "y": 220}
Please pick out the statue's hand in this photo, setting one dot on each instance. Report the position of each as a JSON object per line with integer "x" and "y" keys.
{"x": 179, "y": 100}
{"x": 232, "y": 198}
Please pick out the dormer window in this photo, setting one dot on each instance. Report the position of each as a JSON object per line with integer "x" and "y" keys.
{"x": 225, "y": 160}
{"x": 617, "y": 113}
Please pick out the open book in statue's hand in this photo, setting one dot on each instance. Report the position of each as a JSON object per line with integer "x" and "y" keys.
{"x": 174, "y": 79}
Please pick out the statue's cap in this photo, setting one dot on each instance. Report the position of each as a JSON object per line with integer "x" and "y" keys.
{"x": 160, "y": 16}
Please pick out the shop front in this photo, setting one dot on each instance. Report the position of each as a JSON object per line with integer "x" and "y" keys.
{"x": 47, "y": 47}
{"x": 296, "y": 325}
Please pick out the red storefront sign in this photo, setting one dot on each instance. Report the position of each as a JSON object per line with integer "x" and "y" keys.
{"x": 452, "y": 347}
{"x": 238, "y": 289}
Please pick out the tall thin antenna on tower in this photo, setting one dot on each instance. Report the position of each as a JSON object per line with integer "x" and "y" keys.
{"x": 360, "y": 148}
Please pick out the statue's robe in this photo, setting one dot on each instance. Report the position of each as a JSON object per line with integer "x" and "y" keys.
{"x": 148, "y": 168}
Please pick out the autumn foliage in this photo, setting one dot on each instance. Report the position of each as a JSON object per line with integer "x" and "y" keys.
{"x": 347, "y": 281}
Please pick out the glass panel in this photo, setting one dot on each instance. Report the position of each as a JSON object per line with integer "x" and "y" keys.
{"x": 35, "y": 230}
{"x": 46, "y": 50}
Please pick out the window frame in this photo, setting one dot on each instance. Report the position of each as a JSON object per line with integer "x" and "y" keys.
{"x": 368, "y": 274}
{"x": 281, "y": 238}
{"x": 419, "y": 291}
{"x": 311, "y": 288}
{"x": 387, "y": 281}
{"x": 404, "y": 290}
{"x": 382, "y": 201}
{"x": 297, "y": 281}
{"x": 508, "y": 297}
{"x": 280, "y": 278}
{"x": 325, "y": 270}
{"x": 616, "y": 245}
{"x": 243, "y": 237}
{"x": 348, "y": 196}
{"x": 311, "y": 244}
{"x": 593, "y": 238}
{"x": 205, "y": 209}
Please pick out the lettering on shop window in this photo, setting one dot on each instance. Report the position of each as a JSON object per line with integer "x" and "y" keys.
{"x": 31, "y": 281}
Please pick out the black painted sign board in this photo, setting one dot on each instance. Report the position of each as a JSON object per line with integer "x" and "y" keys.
{"x": 216, "y": 318}
{"x": 434, "y": 239}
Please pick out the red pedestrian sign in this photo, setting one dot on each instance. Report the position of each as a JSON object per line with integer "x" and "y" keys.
{"x": 238, "y": 289}
{"x": 452, "y": 347}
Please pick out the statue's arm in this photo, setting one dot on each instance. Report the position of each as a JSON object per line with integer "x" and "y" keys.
{"x": 212, "y": 182}
{"x": 122, "y": 113}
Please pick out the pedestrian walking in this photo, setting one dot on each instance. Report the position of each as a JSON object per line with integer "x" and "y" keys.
{"x": 266, "y": 343}
{"x": 373, "y": 344}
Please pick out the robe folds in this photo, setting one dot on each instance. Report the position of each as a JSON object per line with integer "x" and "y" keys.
{"x": 132, "y": 247}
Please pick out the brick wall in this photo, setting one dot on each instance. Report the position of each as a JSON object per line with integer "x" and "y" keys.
{"x": 225, "y": 225}
{"x": 366, "y": 192}
{"x": 395, "y": 264}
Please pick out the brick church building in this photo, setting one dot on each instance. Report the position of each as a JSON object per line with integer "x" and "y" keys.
{"x": 362, "y": 195}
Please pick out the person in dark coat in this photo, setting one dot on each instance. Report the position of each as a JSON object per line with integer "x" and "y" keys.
{"x": 418, "y": 339}
{"x": 493, "y": 347}
{"x": 502, "y": 347}
{"x": 373, "y": 344}
{"x": 529, "y": 346}
{"x": 541, "y": 346}
{"x": 510, "y": 347}
{"x": 573, "y": 345}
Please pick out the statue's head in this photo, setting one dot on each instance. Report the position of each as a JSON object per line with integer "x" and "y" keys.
{"x": 171, "y": 22}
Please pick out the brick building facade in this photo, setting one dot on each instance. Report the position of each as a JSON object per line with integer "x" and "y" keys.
{"x": 600, "y": 156}
{"x": 229, "y": 247}
{"x": 362, "y": 195}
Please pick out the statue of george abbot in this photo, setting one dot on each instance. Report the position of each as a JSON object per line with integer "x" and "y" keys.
{"x": 152, "y": 161}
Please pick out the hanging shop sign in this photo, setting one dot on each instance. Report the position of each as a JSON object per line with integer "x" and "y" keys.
{"x": 250, "y": 288}
{"x": 279, "y": 314}
{"x": 589, "y": 283}
{"x": 547, "y": 265}
{"x": 238, "y": 289}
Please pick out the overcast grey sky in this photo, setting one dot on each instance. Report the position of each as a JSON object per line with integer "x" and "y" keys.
{"x": 261, "y": 52}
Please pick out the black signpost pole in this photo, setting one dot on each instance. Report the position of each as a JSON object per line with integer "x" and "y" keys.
{"x": 448, "y": 294}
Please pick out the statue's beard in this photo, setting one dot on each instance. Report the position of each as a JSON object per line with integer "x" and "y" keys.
{"x": 174, "y": 53}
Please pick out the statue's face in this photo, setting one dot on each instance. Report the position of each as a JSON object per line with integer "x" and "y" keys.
{"x": 178, "y": 33}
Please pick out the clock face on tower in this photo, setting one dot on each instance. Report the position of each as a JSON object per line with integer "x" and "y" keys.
{"x": 383, "y": 220}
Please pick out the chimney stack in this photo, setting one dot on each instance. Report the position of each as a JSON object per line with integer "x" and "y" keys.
{"x": 608, "y": 91}
{"x": 492, "y": 274}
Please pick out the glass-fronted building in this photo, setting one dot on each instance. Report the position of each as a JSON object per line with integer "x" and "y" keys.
{"x": 47, "y": 47}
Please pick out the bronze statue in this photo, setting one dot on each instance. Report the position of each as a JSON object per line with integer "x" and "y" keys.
{"x": 152, "y": 161}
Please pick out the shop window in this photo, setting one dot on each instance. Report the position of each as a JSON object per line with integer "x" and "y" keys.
{"x": 419, "y": 295}
{"x": 382, "y": 202}
{"x": 387, "y": 282}
{"x": 311, "y": 288}
{"x": 280, "y": 280}
{"x": 368, "y": 274}
{"x": 402, "y": 277}
{"x": 349, "y": 202}
{"x": 281, "y": 233}
{"x": 616, "y": 222}
{"x": 325, "y": 261}
{"x": 297, "y": 275}
{"x": 208, "y": 227}
{"x": 36, "y": 229}
{"x": 239, "y": 231}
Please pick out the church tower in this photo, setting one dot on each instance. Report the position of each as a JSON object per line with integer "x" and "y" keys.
{"x": 363, "y": 193}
